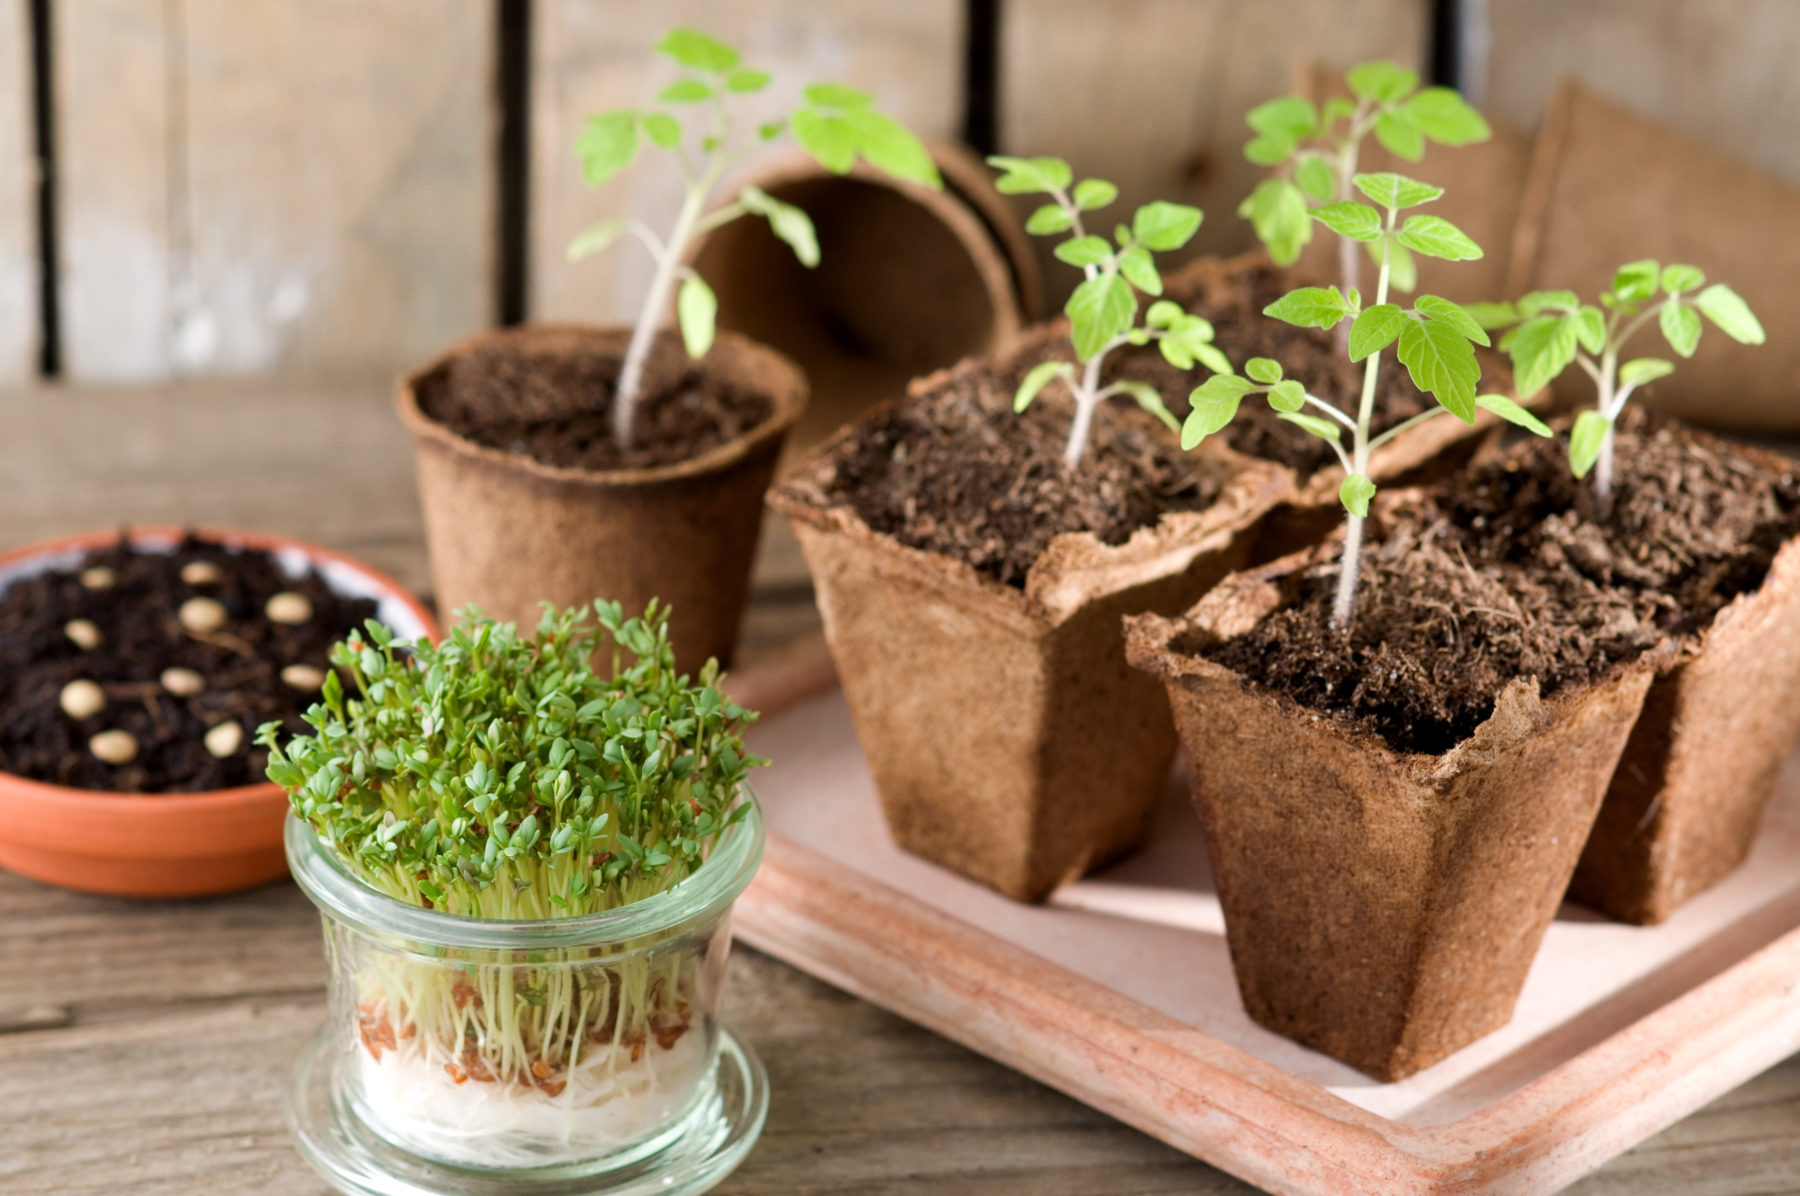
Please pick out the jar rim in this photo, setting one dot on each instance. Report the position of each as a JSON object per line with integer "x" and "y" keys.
{"x": 712, "y": 887}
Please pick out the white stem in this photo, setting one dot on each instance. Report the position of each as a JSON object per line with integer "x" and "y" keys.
{"x": 1348, "y": 566}
{"x": 1345, "y": 599}
{"x": 1609, "y": 411}
{"x": 631, "y": 375}
{"x": 1087, "y": 397}
{"x": 1603, "y": 468}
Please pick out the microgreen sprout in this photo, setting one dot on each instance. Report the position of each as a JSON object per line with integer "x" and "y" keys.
{"x": 1314, "y": 150}
{"x": 1103, "y": 310}
{"x": 836, "y": 125}
{"x": 1434, "y": 339}
{"x": 1547, "y": 330}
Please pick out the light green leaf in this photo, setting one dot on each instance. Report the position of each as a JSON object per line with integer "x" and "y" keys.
{"x": 1150, "y": 399}
{"x": 1139, "y": 270}
{"x": 1676, "y": 279}
{"x": 745, "y": 81}
{"x": 1636, "y": 281}
{"x": 1403, "y": 273}
{"x": 1211, "y": 358}
{"x": 1083, "y": 251}
{"x": 1091, "y": 194}
{"x": 1038, "y": 377}
{"x": 1099, "y": 310}
{"x": 1400, "y": 134}
{"x": 786, "y": 221}
{"x": 692, "y": 48}
{"x": 662, "y": 129}
{"x": 1492, "y": 315}
{"x": 769, "y": 130}
{"x": 1395, "y": 190}
{"x": 831, "y": 140}
{"x": 1542, "y": 347}
{"x": 685, "y": 91}
{"x": 1263, "y": 369}
{"x": 1446, "y": 117}
{"x": 1164, "y": 313}
{"x": 1277, "y": 210}
{"x": 1375, "y": 329}
{"x": 1640, "y": 370}
{"x": 1512, "y": 413}
{"x": 1680, "y": 326}
{"x": 1538, "y": 302}
{"x": 1383, "y": 81}
{"x": 890, "y": 147}
{"x": 836, "y": 95}
{"x": 1445, "y": 311}
{"x": 1724, "y": 307}
{"x": 1271, "y": 149}
{"x": 1310, "y": 307}
{"x": 1319, "y": 426}
{"x": 1291, "y": 117}
{"x": 1436, "y": 237}
{"x": 1356, "y": 493}
{"x": 1287, "y": 395}
{"x": 1313, "y": 175}
{"x": 1442, "y": 364}
{"x": 607, "y": 144}
{"x": 1022, "y": 176}
{"x": 1163, "y": 226}
{"x": 1212, "y": 405}
{"x": 594, "y": 238}
{"x": 696, "y": 309}
{"x": 1590, "y": 328}
{"x": 1358, "y": 221}
{"x": 1051, "y": 218}
{"x": 1585, "y": 439}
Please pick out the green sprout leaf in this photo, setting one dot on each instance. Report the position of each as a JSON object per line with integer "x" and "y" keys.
{"x": 1680, "y": 326}
{"x": 1051, "y": 218}
{"x": 1356, "y": 493}
{"x": 1512, "y": 413}
{"x": 1316, "y": 425}
{"x": 1444, "y": 311}
{"x": 1311, "y": 307}
{"x": 1139, "y": 270}
{"x": 1403, "y": 270}
{"x": 1163, "y": 226}
{"x": 1436, "y": 237}
{"x": 1092, "y": 194}
{"x": 746, "y": 81}
{"x": 1150, "y": 399}
{"x": 1263, "y": 369}
{"x": 1358, "y": 221}
{"x": 1590, "y": 328}
{"x": 1383, "y": 81}
{"x": 1375, "y": 329}
{"x": 1442, "y": 364}
{"x": 1212, "y": 405}
{"x": 1287, "y": 395}
{"x": 686, "y": 91}
{"x": 1446, "y": 117}
{"x": 1723, "y": 307}
{"x": 1290, "y": 117}
{"x": 889, "y": 146}
{"x": 1396, "y": 190}
{"x": 1038, "y": 377}
{"x": 696, "y": 309}
{"x": 594, "y": 238}
{"x": 691, "y": 48}
{"x": 1099, "y": 310}
{"x": 1084, "y": 251}
{"x": 1676, "y": 279}
{"x": 1542, "y": 347}
{"x": 1312, "y": 174}
{"x": 663, "y": 130}
{"x": 1492, "y": 315}
{"x": 608, "y": 143}
{"x": 1277, "y": 211}
{"x": 1585, "y": 439}
{"x": 836, "y": 95}
{"x": 1635, "y": 282}
{"x": 1399, "y": 132}
{"x": 1026, "y": 176}
{"x": 831, "y": 140}
{"x": 1539, "y": 302}
{"x": 786, "y": 221}
{"x": 1641, "y": 370}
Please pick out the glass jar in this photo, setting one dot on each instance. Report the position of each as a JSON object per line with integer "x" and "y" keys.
{"x": 474, "y": 1055}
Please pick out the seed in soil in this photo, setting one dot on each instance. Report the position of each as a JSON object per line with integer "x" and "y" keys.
{"x": 81, "y": 699}
{"x": 303, "y": 676}
{"x": 224, "y": 739}
{"x": 183, "y": 683}
{"x": 99, "y": 578}
{"x": 82, "y": 633}
{"x": 200, "y": 573}
{"x": 201, "y": 615}
{"x": 288, "y": 607}
{"x": 114, "y": 747}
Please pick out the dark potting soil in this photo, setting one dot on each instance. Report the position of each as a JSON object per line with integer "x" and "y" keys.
{"x": 556, "y": 409}
{"x": 140, "y": 637}
{"x": 1514, "y": 572}
{"x": 956, "y": 472}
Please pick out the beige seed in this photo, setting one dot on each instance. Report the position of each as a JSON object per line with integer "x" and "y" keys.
{"x": 183, "y": 683}
{"x": 114, "y": 747}
{"x": 200, "y": 573}
{"x": 82, "y": 699}
{"x": 303, "y": 676}
{"x": 288, "y": 607}
{"x": 224, "y": 739}
{"x": 99, "y": 578}
{"x": 83, "y": 632}
{"x": 200, "y": 615}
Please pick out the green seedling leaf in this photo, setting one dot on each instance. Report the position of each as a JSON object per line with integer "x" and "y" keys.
{"x": 1099, "y": 310}
{"x": 1038, "y": 377}
{"x": 1270, "y": 149}
{"x": 1590, "y": 328}
{"x": 1213, "y": 404}
{"x": 1312, "y": 174}
{"x": 1635, "y": 282}
{"x": 1403, "y": 272}
{"x": 686, "y": 91}
{"x": 1400, "y": 133}
{"x": 1436, "y": 237}
{"x": 691, "y": 48}
{"x": 1291, "y": 117}
{"x": 1723, "y": 307}
{"x": 1049, "y": 219}
{"x": 1355, "y": 494}
{"x": 1446, "y": 117}
{"x": 1383, "y": 81}
{"x": 1585, "y": 439}
{"x": 1024, "y": 176}
{"x": 1512, "y": 413}
{"x": 1396, "y": 190}
{"x": 1263, "y": 369}
{"x": 662, "y": 129}
{"x": 1680, "y": 326}
{"x": 889, "y": 146}
{"x": 1442, "y": 364}
{"x": 746, "y": 81}
{"x": 607, "y": 145}
{"x": 836, "y": 95}
{"x": 1318, "y": 426}
{"x": 1358, "y": 221}
{"x": 1150, "y": 399}
{"x": 1311, "y": 307}
{"x": 1139, "y": 270}
{"x": 786, "y": 221}
{"x": 1277, "y": 210}
{"x": 696, "y": 309}
{"x": 1092, "y": 194}
{"x": 1542, "y": 347}
{"x": 1446, "y": 312}
{"x": 1375, "y": 329}
{"x": 595, "y": 238}
{"x": 1164, "y": 313}
{"x": 1287, "y": 395}
{"x": 1640, "y": 370}
{"x": 831, "y": 140}
{"x": 1538, "y": 302}
{"x": 1492, "y": 315}
{"x": 1163, "y": 226}
{"x": 1084, "y": 251}
{"x": 770, "y": 130}
{"x": 1676, "y": 279}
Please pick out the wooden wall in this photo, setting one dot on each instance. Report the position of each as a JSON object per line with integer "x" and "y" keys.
{"x": 307, "y": 186}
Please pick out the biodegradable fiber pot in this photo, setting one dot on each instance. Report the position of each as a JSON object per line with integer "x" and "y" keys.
{"x": 507, "y": 532}
{"x": 1008, "y": 739}
{"x": 1381, "y": 907}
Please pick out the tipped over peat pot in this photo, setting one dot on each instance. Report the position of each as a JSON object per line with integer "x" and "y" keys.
{"x": 1382, "y": 904}
{"x": 526, "y": 499}
{"x": 1008, "y": 739}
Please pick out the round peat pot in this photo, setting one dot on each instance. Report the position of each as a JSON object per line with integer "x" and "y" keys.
{"x": 169, "y": 844}
{"x": 909, "y": 279}
{"x": 573, "y": 1055}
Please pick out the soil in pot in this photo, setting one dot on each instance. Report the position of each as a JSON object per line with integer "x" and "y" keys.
{"x": 1696, "y": 528}
{"x": 116, "y": 620}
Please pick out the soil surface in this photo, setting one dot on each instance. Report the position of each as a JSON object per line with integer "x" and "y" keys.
{"x": 140, "y": 636}
{"x": 1514, "y": 572}
{"x": 556, "y": 409}
{"x": 956, "y": 472}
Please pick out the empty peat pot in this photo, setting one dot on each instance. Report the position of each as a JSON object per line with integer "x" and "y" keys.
{"x": 1380, "y": 906}
{"x": 169, "y": 844}
{"x": 1008, "y": 738}
{"x": 508, "y": 532}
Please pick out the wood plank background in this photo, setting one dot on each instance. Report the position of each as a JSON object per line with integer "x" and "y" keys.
{"x": 18, "y": 198}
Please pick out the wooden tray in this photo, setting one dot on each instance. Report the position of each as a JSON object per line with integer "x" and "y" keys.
{"x": 1120, "y": 991}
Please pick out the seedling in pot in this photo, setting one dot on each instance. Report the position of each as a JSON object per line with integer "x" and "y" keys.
{"x": 1103, "y": 310}
{"x": 1547, "y": 330}
{"x": 1313, "y": 151}
{"x": 836, "y": 125}
{"x": 1434, "y": 339}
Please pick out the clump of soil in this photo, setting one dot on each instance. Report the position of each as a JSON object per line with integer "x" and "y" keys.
{"x": 556, "y": 409}
{"x": 141, "y": 636}
{"x": 956, "y": 472}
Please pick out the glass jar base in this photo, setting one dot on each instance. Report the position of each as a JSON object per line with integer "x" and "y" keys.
{"x": 716, "y": 1136}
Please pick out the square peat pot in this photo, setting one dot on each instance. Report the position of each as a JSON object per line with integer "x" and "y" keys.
{"x": 1119, "y": 991}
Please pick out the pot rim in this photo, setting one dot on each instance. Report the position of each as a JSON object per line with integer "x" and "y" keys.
{"x": 709, "y": 891}
{"x": 67, "y": 801}
{"x": 789, "y": 400}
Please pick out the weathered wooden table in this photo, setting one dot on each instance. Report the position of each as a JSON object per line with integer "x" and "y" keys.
{"x": 143, "y": 1045}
